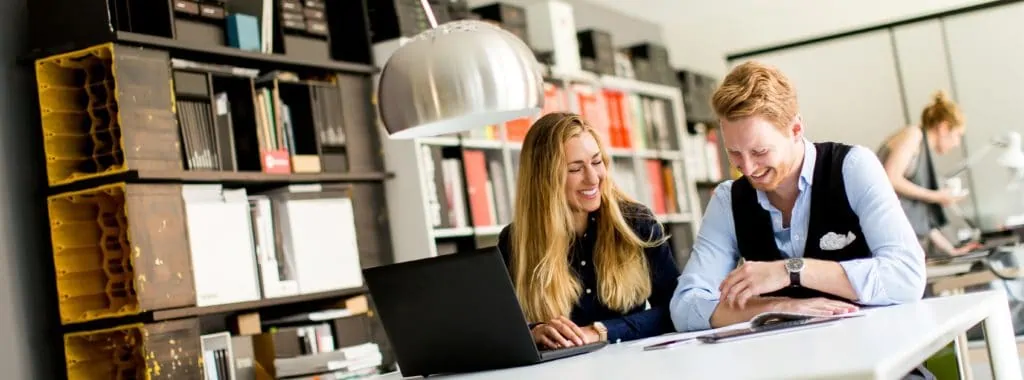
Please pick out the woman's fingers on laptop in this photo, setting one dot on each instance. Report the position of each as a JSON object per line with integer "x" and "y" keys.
{"x": 541, "y": 338}
{"x": 549, "y": 336}
{"x": 567, "y": 331}
{"x": 580, "y": 336}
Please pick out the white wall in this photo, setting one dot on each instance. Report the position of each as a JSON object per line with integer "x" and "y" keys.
{"x": 834, "y": 78}
{"x": 699, "y": 33}
{"x": 862, "y": 87}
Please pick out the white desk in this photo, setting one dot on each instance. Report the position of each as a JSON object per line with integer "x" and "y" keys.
{"x": 884, "y": 344}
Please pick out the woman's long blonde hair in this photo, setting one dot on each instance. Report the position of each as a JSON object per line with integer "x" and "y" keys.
{"x": 543, "y": 230}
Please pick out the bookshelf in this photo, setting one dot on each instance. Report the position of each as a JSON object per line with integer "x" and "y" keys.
{"x": 209, "y": 163}
{"x": 713, "y": 164}
{"x": 435, "y": 176}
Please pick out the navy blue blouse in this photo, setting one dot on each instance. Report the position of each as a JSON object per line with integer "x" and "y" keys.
{"x": 640, "y": 322}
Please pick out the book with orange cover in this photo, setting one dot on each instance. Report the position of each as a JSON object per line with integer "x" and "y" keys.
{"x": 475, "y": 164}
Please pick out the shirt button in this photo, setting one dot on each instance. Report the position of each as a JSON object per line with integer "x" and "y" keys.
{"x": 588, "y": 291}
{"x": 583, "y": 263}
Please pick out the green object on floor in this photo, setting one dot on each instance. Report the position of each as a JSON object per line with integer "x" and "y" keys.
{"x": 944, "y": 364}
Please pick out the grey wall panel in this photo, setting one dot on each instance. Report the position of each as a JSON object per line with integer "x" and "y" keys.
{"x": 32, "y": 348}
{"x": 921, "y": 54}
{"x": 847, "y": 88}
{"x": 987, "y": 64}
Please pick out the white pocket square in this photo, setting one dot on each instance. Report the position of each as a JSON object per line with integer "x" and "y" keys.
{"x": 833, "y": 241}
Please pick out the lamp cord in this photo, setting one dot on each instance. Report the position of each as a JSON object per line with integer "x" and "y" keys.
{"x": 430, "y": 13}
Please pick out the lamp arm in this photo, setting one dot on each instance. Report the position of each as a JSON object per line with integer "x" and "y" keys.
{"x": 430, "y": 13}
{"x": 973, "y": 159}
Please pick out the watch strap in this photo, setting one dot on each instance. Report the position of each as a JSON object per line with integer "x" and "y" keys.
{"x": 602, "y": 331}
{"x": 794, "y": 279}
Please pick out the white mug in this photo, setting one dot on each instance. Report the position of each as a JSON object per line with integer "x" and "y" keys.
{"x": 955, "y": 185}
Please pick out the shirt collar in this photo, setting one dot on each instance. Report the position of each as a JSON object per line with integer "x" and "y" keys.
{"x": 806, "y": 173}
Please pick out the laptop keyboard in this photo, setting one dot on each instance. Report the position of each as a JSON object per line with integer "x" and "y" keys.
{"x": 556, "y": 353}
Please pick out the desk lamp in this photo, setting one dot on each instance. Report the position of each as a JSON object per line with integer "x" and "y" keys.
{"x": 458, "y": 76}
{"x": 1010, "y": 156}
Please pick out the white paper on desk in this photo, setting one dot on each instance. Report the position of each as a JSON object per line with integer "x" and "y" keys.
{"x": 686, "y": 335}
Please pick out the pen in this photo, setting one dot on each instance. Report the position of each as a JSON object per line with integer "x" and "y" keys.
{"x": 670, "y": 344}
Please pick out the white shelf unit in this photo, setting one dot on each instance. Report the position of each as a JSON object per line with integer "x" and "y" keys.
{"x": 684, "y": 225}
{"x": 411, "y": 212}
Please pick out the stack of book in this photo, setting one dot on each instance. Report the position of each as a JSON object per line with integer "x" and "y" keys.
{"x": 327, "y": 344}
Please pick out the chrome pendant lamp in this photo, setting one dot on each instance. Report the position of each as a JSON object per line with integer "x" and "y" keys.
{"x": 455, "y": 77}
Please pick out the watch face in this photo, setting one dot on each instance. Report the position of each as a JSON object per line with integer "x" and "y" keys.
{"x": 794, "y": 265}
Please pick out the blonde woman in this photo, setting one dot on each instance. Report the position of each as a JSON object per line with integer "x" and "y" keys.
{"x": 908, "y": 160}
{"x": 585, "y": 259}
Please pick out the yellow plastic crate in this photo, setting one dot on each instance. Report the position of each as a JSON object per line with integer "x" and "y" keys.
{"x": 95, "y": 102}
{"x": 78, "y": 100}
{"x": 92, "y": 255}
{"x": 103, "y": 269}
{"x": 167, "y": 350}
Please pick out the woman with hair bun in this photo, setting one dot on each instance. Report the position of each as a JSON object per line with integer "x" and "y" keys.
{"x": 908, "y": 159}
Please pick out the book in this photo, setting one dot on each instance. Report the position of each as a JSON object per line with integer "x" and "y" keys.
{"x": 776, "y": 317}
{"x": 763, "y": 321}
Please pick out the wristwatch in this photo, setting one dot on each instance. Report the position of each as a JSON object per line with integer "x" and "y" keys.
{"x": 602, "y": 332}
{"x": 794, "y": 266}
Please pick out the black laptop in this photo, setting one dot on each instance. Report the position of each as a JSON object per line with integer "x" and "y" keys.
{"x": 454, "y": 314}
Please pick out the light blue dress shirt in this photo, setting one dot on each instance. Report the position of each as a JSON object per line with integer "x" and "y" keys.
{"x": 894, "y": 274}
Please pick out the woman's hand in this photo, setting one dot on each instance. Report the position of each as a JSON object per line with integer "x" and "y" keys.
{"x": 558, "y": 333}
{"x": 966, "y": 248}
{"x": 945, "y": 197}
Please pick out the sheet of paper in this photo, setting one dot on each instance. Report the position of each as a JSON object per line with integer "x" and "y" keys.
{"x": 685, "y": 335}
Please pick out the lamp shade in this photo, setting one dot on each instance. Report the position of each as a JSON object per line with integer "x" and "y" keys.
{"x": 458, "y": 76}
{"x": 1011, "y": 156}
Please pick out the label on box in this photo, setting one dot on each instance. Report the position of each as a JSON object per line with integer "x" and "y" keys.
{"x": 186, "y": 6}
{"x": 292, "y": 16}
{"x": 291, "y": 5}
{"x": 314, "y": 14}
{"x": 211, "y": 11}
{"x": 317, "y": 27}
{"x": 292, "y": 24}
{"x": 318, "y": 4}
{"x": 276, "y": 161}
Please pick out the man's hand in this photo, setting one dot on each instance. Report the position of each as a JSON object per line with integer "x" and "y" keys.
{"x": 559, "y": 333}
{"x": 751, "y": 279}
{"x": 816, "y": 306}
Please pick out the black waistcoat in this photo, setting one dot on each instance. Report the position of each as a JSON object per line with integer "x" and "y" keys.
{"x": 830, "y": 214}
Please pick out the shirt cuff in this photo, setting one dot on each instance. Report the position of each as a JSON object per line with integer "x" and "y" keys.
{"x": 860, "y": 273}
{"x": 694, "y": 314}
{"x": 616, "y": 329}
